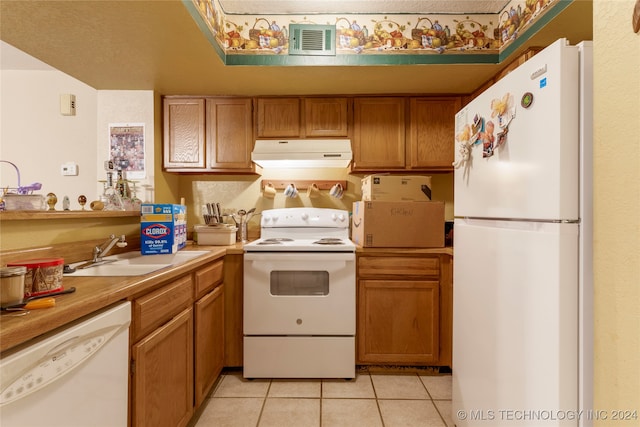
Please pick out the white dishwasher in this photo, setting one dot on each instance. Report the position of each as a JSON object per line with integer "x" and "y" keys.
{"x": 75, "y": 376}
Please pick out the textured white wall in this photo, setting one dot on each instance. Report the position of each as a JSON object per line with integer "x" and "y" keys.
{"x": 38, "y": 139}
{"x": 616, "y": 210}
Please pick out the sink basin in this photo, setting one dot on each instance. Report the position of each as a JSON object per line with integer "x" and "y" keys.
{"x": 117, "y": 270}
{"x": 135, "y": 258}
{"x": 134, "y": 264}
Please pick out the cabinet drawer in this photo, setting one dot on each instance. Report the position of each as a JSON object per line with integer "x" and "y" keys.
{"x": 156, "y": 308}
{"x": 207, "y": 278}
{"x": 403, "y": 266}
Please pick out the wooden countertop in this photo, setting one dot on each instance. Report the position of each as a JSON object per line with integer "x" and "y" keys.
{"x": 95, "y": 293}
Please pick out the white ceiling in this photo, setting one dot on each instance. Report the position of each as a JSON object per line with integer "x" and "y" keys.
{"x": 309, "y": 7}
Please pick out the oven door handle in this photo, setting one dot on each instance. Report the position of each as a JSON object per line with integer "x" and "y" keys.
{"x": 288, "y": 257}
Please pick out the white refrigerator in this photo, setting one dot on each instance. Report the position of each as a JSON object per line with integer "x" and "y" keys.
{"x": 522, "y": 282}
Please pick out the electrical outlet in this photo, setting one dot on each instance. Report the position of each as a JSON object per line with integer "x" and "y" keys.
{"x": 69, "y": 169}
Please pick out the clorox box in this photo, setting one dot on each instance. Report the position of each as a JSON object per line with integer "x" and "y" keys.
{"x": 163, "y": 228}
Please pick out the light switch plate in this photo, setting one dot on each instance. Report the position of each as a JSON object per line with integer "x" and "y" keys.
{"x": 67, "y": 104}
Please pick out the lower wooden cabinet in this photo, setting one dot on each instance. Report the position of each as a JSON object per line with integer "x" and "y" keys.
{"x": 209, "y": 342}
{"x": 404, "y": 309}
{"x": 177, "y": 350}
{"x": 163, "y": 374}
{"x": 399, "y": 321}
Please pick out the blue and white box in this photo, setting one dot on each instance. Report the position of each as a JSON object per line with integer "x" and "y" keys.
{"x": 163, "y": 228}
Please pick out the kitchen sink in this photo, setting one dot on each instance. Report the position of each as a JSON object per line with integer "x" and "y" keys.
{"x": 135, "y": 258}
{"x": 133, "y": 264}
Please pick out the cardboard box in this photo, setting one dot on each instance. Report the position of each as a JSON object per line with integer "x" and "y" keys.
{"x": 378, "y": 224}
{"x": 163, "y": 228}
{"x": 396, "y": 188}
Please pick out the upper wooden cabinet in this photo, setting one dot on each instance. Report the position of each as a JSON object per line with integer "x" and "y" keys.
{"x": 388, "y": 133}
{"x": 229, "y": 133}
{"x": 404, "y": 134}
{"x": 278, "y": 118}
{"x": 208, "y": 135}
{"x": 378, "y": 133}
{"x": 326, "y": 117}
{"x": 432, "y": 133}
{"x": 184, "y": 137}
{"x": 294, "y": 117}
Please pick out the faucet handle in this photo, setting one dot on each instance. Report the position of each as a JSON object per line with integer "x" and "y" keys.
{"x": 122, "y": 242}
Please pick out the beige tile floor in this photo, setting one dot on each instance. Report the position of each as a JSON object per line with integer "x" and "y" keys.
{"x": 372, "y": 399}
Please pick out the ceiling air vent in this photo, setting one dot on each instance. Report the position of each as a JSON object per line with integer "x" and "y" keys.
{"x": 308, "y": 39}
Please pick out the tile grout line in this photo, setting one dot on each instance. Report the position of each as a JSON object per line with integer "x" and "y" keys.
{"x": 264, "y": 402}
{"x": 444, "y": 422}
{"x": 375, "y": 396}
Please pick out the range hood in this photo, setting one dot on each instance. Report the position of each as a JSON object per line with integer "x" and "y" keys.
{"x": 302, "y": 153}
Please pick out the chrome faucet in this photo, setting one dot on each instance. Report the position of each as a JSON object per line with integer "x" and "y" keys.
{"x": 102, "y": 251}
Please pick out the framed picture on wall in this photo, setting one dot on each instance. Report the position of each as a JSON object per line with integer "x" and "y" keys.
{"x": 126, "y": 148}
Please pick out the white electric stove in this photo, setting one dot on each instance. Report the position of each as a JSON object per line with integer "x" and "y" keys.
{"x": 299, "y": 296}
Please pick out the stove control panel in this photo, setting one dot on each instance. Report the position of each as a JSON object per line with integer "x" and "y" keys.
{"x": 305, "y": 217}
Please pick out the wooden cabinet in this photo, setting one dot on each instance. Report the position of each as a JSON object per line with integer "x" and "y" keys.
{"x": 209, "y": 342}
{"x": 152, "y": 310}
{"x": 404, "y": 134}
{"x": 378, "y": 133}
{"x": 163, "y": 374}
{"x": 278, "y": 118}
{"x": 229, "y": 134}
{"x": 326, "y": 117}
{"x": 308, "y": 117}
{"x": 431, "y": 134}
{"x": 233, "y": 300}
{"x": 184, "y": 133}
{"x": 177, "y": 347}
{"x": 207, "y": 135}
{"x": 208, "y": 329}
{"x": 404, "y": 313}
{"x": 388, "y": 134}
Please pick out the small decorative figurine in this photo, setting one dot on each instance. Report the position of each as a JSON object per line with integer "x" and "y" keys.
{"x": 82, "y": 200}
{"x": 66, "y": 204}
{"x": 52, "y": 199}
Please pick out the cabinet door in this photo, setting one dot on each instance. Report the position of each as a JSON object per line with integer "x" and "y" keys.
{"x": 229, "y": 133}
{"x": 325, "y": 117}
{"x": 278, "y": 117}
{"x": 398, "y": 321}
{"x": 378, "y": 133}
{"x": 184, "y": 137}
{"x": 162, "y": 380}
{"x": 432, "y": 133}
{"x": 209, "y": 341}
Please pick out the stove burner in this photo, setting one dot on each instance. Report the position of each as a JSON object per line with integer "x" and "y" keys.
{"x": 275, "y": 241}
{"x": 329, "y": 241}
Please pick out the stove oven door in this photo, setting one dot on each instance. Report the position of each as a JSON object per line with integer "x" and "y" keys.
{"x": 299, "y": 293}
